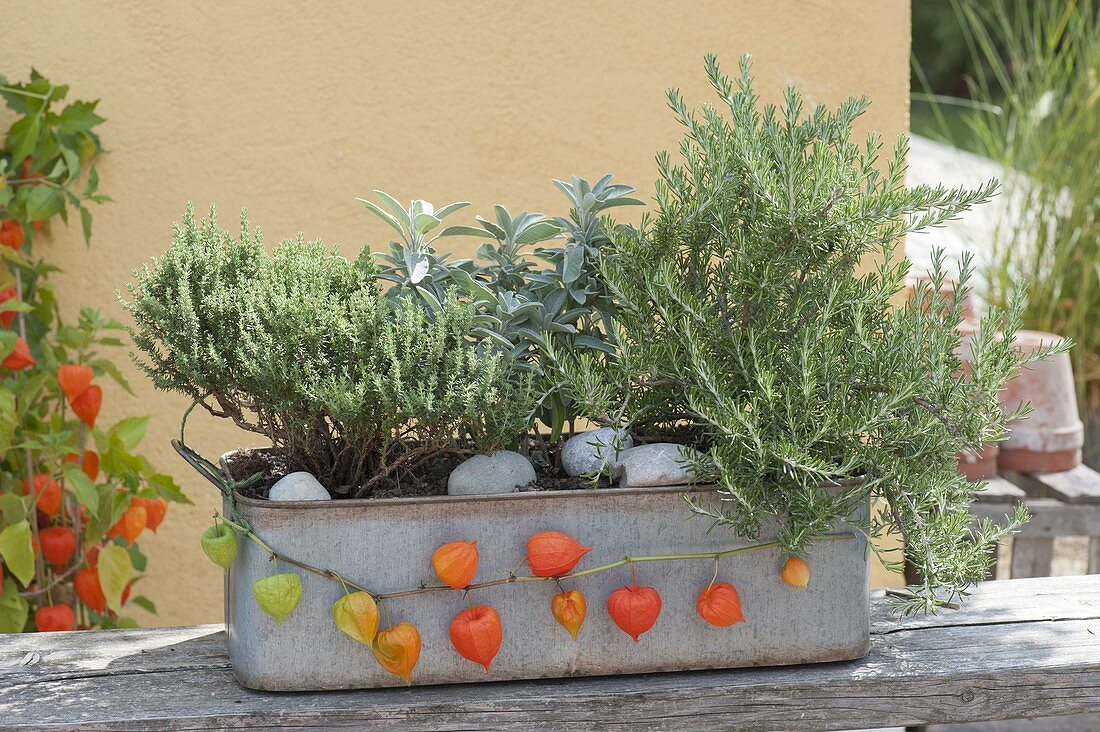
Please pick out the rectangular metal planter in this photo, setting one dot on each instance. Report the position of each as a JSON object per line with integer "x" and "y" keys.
{"x": 386, "y": 546}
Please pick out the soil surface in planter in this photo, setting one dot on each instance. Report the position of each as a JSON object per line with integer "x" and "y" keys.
{"x": 430, "y": 478}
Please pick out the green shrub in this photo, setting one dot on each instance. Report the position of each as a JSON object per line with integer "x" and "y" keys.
{"x": 744, "y": 316}
{"x": 302, "y": 346}
{"x": 535, "y": 301}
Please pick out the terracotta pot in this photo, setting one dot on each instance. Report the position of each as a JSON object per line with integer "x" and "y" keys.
{"x": 1050, "y": 439}
{"x": 980, "y": 464}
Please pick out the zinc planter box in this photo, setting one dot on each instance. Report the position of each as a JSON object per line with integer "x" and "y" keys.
{"x": 386, "y": 545}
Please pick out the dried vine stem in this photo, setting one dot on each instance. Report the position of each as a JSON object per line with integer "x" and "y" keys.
{"x": 512, "y": 577}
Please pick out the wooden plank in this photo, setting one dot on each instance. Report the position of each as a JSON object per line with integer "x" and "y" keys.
{"x": 1031, "y": 556}
{"x": 1018, "y": 648}
{"x": 999, "y": 490}
{"x": 1079, "y": 485}
{"x": 1049, "y": 517}
{"x": 1074, "y": 723}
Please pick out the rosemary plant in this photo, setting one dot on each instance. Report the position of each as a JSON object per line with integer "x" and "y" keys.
{"x": 758, "y": 309}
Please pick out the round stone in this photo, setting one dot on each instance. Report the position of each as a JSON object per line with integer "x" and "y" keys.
{"x": 504, "y": 471}
{"x": 300, "y": 486}
{"x": 656, "y": 464}
{"x": 595, "y": 451}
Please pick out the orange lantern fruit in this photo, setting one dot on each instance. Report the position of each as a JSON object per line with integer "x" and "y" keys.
{"x": 552, "y": 553}
{"x": 476, "y": 633}
{"x": 88, "y": 589}
{"x": 86, "y": 405}
{"x": 796, "y": 572}
{"x": 720, "y": 605}
{"x": 397, "y": 649}
{"x": 74, "y": 380}
{"x": 133, "y": 522}
{"x": 53, "y": 618}
{"x": 7, "y": 316}
{"x": 569, "y": 609}
{"x": 634, "y": 609}
{"x": 47, "y": 494}
{"x": 11, "y": 234}
{"x": 20, "y": 357}
{"x": 58, "y": 544}
{"x": 456, "y": 563}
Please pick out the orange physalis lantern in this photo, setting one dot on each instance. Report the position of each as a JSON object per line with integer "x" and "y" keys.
{"x": 796, "y": 572}
{"x": 7, "y": 316}
{"x": 91, "y": 463}
{"x": 52, "y": 618}
{"x": 456, "y": 563}
{"x": 47, "y": 494}
{"x": 11, "y": 234}
{"x": 87, "y": 404}
{"x": 552, "y": 553}
{"x": 155, "y": 511}
{"x": 133, "y": 522}
{"x": 397, "y": 649}
{"x": 74, "y": 379}
{"x": 356, "y": 615}
{"x": 86, "y": 584}
{"x": 476, "y": 634}
{"x": 569, "y": 609}
{"x": 58, "y": 544}
{"x": 634, "y": 609}
{"x": 19, "y": 358}
{"x": 720, "y": 605}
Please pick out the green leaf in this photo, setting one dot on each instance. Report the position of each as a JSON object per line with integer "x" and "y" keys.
{"x": 17, "y": 551}
{"x": 13, "y": 508}
{"x": 14, "y": 610}
{"x": 130, "y": 431}
{"x": 44, "y": 202}
{"x": 463, "y": 231}
{"x": 79, "y": 117}
{"x": 573, "y": 266}
{"x": 23, "y": 138}
{"x": 93, "y": 182}
{"x": 425, "y": 222}
{"x": 82, "y": 486}
{"x": 166, "y": 488}
{"x": 537, "y": 232}
{"x": 373, "y": 208}
{"x": 115, "y": 570}
{"x": 7, "y": 342}
{"x": 86, "y": 224}
{"x": 108, "y": 367}
{"x": 139, "y": 560}
{"x": 397, "y": 209}
{"x": 144, "y": 603}
{"x": 8, "y": 419}
{"x": 126, "y": 623}
{"x": 278, "y": 594}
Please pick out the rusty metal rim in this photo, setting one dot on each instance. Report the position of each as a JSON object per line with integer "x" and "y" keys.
{"x": 340, "y": 503}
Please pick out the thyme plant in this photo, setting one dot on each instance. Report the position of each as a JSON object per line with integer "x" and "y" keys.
{"x": 744, "y": 316}
{"x": 303, "y": 347}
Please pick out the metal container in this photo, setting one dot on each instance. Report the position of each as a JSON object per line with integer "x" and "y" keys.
{"x": 386, "y": 545}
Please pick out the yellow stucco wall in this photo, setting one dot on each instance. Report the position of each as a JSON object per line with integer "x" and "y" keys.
{"x": 296, "y": 108}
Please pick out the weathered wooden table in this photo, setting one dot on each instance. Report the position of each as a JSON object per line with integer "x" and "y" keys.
{"x": 1061, "y": 504}
{"x": 1018, "y": 648}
